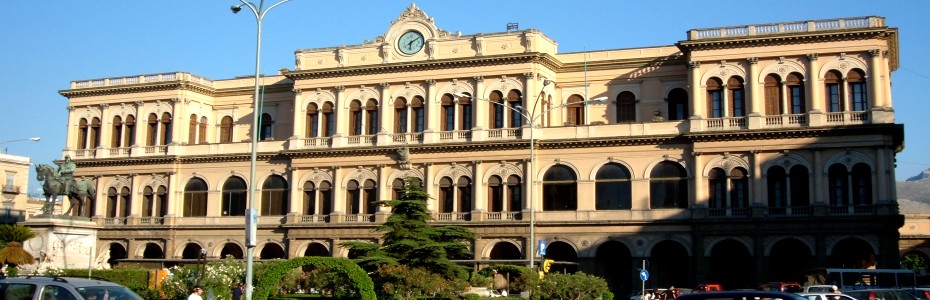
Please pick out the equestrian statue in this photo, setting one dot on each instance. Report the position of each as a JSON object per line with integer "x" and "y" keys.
{"x": 62, "y": 182}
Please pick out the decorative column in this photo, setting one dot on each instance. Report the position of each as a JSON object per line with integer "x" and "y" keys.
{"x": 433, "y": 110}
{"x": 699, "y": 200}
{"x": 71, "y": 137}
{"x": 428, "y": 185}
{"x": 383, "y": 212}
{"x": 135, "y": 189}
{"x": 815, "y": 96}
{"x": 881, "y": 174}
{"x": 820, "y": 188}
{"x": 875, "y": 77}
{"x": 177, "y": 121}
{"x": 886, "y": 80}
{"x": 342, "y": 118}
{"x": 339, "y": 204}
{"x": 296, "y": 208}
{"x": 300, "y": 118}
{"x": 386, "y": 117}
{"x": 754, "y": 117}
{"x": 480, "y": 202}
{"x": 696, "y": 104}
{"x": 481, "y": 107}
{"x": 106, "y": 131}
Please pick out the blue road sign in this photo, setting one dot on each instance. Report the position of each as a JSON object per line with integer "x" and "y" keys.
{"x": 542, "y": 247}
{"x": 643, "y": 275}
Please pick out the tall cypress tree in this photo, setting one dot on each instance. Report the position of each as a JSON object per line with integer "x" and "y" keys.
{"x": 410, "y": 240}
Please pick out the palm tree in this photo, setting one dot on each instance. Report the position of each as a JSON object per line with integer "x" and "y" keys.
{"x": 14, "y": 236}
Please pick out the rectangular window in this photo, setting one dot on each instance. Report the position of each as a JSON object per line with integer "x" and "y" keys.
{"x": 716, "y": 100}
{"x": 833, "y": 98}
{"x": 418, "y": 119}
{"x": 498, "y": 115}
{"x": 797, "y": 99}
{"x": 738, "y": 110}
{"x": 401, "y": 126}
{"x": 466, "y": 117}
{"x": 858, "y": 95}
{"x": 449, "y": 113}
{"x": 314, "y": 127}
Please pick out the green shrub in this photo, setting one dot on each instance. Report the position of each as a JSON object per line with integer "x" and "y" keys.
{"x": 520, "y": 277}
{"x": 578, "y": 286}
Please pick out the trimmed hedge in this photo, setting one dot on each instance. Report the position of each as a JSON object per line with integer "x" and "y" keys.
{"x": 358, "y": 279}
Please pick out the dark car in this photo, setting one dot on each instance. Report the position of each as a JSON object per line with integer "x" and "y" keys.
{"x": 62, "y": 288}
{"x": 741, "y": 295}
{"x": 882, "y": 294}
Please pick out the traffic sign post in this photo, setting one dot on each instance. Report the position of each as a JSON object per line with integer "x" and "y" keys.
{"x": 542, "y": 248}
{"x": 643, "y": 276}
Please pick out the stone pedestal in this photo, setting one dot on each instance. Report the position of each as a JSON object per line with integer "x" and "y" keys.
{"x": 63, "y": 242}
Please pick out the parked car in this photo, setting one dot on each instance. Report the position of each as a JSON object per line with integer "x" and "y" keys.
{"x": 741, "y": 295}
{"x": 785, "y": 287}
{"x": 708, "y": 287}
{"x": 826, "y": 296}
{"x": 922, "y": 293}
{"x": 818, "y": 288}
{"x": 62, "y": 288}
{"x": 882, "y": 294}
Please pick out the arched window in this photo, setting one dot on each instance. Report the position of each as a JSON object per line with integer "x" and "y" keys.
{"x": 504, "y": 196}
{"x": 355, "y": 118}
{"x": 400, "y": 115}
{"x": 397, "y": 187}
{"x": 739, "y": 188}
{"x": 612, "y": 188}
{"x": 446, "y": 195}
{"x": 370, "y": 196}
{"x": 464, "y": 194}
{"x": 148, "y": 202}
{"x": 130, "y": 133}
{"x": 82, "y": 134}
{"x": 736, "y": 97}
{"x": 497, "y": 109}
{"x": 125, "y": 202}
{"x": 677, "y": 104}
{"x": 371, "y": 117}
{"x": 152, "y": 133}
{"x": 799, "y": 182}
{"x": 447, "y": 118}
{"x": 274, "y": 196}
{"x": 161, "y": 201}
{"x": 329, "y": 121}
{"x": 226, "y": 129}
{"x": 668, "y": 186}
{"x": 195, "y": 198}
{"x": 326, "y": 197}
{"x": 202, "y": 139}
{"x": 265, "y": 133}
{"x": 309, "y": 198}
{"x": 192, "y": 130}
{"x": 575, "y": 111}
{"x": 313, "y": 121}
{"x": 626, "y": 107}
{"x": 165, "y": 129}
{"x": 772, "y": 93}
{"x": 155, "y": 202}
{"x": 353, "y": 198}
{"x": 514, "y": 99}
{"x": 717, "y": 187}
{"x": 234, "y": 197}
{"x": 495, "y": 194}
{"x": 464, "y": 111}
{"x": 796, "y": 98}
{"x": 714, "y": 98}
{"x": 560, "y": 189}
{"x": 858, "y": 96}
{"x": 777, "y": 187}
{"x": 95, "y": 133}
{"x": 831, "y": 82}
{"x": 514, "y": 193}
{"x": 117, "y": 132}
{"x": 419, "y": 116}
{"x": 838, "y": 179}
{"x": 861, "y": 178}
{"x": 112, "y": 197}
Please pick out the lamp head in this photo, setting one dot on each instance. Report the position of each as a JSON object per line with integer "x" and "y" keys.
{"x": 460, "y": 95}
{"x": 598, "y": 99}
{"x": 236, "y": 8}
{"x": 35, "y": 139}
{"x": 546, "y": 82}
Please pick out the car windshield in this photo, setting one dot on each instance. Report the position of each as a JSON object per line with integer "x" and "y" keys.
{"x": 107, "y": 293}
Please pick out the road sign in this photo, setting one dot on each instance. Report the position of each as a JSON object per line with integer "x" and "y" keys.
{"x": 542, "y": 247}
{"x": 643, "y": 275}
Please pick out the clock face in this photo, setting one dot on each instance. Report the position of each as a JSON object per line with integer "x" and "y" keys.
{"x": 410, "y": 42}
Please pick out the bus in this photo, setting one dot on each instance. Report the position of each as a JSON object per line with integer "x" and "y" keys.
{"x": 857, "y": 279}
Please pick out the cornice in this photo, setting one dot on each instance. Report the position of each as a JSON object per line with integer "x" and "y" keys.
{"x": 786, "y": 38}
{"x": 402, "y": 67}
{"x": 139, "y": 88}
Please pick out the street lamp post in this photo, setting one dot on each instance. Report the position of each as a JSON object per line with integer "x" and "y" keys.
{"x": 259, "y": 12}
{"x": 531, "y": 116}
{"x": 34, "y": 139}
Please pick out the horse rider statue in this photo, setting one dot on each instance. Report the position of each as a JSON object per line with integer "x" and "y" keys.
{"x": 66, "y": 174}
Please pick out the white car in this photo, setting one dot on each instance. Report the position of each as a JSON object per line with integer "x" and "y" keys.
{"x": 819, "y": 288}
{"x": 826, "y": 296}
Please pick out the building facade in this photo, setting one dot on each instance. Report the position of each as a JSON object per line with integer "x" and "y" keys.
{"x": 739, "y": 155}
{"x": 15, "y": 204}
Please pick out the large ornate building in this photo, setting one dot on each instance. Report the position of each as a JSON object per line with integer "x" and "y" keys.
{"x": 739, "y": 155}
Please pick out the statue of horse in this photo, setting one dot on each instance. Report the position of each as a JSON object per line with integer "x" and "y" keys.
{"x": 54, "y": 186}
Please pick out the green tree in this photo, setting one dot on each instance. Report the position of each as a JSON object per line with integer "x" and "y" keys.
{"x": 403, "y": 282}
{"x": 14, "y": 236}
{"x": 410, "y": 240}
{"x": 913, "y": 262}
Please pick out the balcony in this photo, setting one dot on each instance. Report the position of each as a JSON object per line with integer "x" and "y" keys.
{"x": 10, "y": 189}
{"x": 783, "y": 28}
{"x": 149, "y": 78}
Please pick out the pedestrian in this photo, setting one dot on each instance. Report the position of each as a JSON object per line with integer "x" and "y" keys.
{"x": 672, "y": 293}
{"x": 196, "y": 294}
{"x": 237, "y": 291}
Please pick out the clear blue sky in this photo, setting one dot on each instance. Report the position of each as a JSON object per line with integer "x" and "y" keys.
{"x": 46, "y": 44}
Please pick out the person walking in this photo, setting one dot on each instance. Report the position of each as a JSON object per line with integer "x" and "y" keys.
{"x": 237, "y": 291}
{"x": 196, "y": 294}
